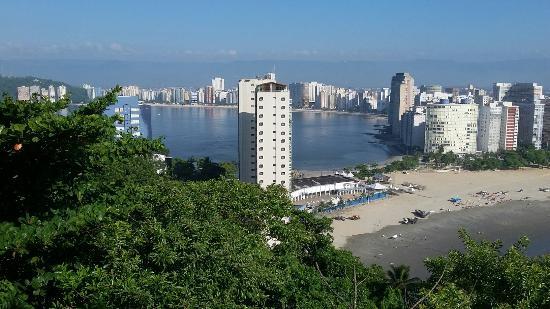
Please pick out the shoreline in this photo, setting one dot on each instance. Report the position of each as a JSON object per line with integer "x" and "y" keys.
{"x": 436, "y": 236}
{"x": 293, "y": 110}
{"x": 439, "y": 188}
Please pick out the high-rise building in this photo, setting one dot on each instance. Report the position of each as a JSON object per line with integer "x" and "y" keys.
{"x": 546, "y": 124}
{"x": 413, "y": 127}
{"x": 265, "y": 132}
{"x": 51, "y": 92}
{"x": 431, "y": 88}
{"x": 299, "y": 94}
{"x": 34, "y": 90}
{"x": 61, "y": 91}
{"x": 209, "y": 95}
{"x": 488, "y": 127}
{"x": 128, "y": 108}
{"x": 401, "y": 99}
{"x": 509, "y": 126}
{"x": 23, "y": 93}
{"x": 500, "y": 90}
{"x": 218, "y": 84}
{"x": 527, "y": 96}
{"x": 452, "y": 127}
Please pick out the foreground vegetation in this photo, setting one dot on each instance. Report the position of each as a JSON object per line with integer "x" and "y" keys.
{"x": 90, "y": 220}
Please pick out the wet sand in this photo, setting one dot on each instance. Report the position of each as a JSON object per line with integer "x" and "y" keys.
{"x": 438, "y": 234}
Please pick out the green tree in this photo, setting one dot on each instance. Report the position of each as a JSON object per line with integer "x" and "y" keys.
{"x": 399, "y": 278}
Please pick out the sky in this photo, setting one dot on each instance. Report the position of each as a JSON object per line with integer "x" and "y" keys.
{"x": 243, "y": 30}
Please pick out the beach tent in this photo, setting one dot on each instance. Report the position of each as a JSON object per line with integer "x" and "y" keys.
{"x": 455, "y": 199}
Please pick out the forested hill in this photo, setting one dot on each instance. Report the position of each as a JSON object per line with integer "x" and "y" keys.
{"x": 9, "y": 84}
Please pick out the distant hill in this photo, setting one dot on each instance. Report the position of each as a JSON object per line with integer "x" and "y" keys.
{"x": 9, "y": 84}
{"x": 108, "y": 73}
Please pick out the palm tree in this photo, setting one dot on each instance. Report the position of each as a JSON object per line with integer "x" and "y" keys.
{"x": 398, "y": 277}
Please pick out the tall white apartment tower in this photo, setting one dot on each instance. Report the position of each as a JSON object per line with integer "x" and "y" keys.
{"x": 218, "y": 84}
{"x": 265, "y": 132}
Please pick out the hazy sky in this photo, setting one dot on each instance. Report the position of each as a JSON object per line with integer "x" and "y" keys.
{"x": 209, "y": 30}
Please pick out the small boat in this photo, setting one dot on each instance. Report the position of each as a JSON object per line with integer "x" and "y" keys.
{"x": 421, "y": 213}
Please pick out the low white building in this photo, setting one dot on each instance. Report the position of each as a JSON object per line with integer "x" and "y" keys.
{"x": 304, "y": 188}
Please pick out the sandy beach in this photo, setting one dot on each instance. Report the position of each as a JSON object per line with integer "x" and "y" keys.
{"x": 439, "y": 187}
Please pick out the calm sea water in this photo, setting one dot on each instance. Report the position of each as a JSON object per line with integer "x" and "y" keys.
{"x": 321, "y": 141}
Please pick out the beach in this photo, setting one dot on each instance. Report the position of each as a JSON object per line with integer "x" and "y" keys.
{"x": 510, "y": 206}
{"x": 438, "y": 235}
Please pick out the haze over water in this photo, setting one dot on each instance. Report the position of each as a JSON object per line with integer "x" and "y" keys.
{"x": 321, "y": 140}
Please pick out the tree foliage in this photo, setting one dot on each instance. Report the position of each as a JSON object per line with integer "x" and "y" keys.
{"x": 87, "y": 221}
{"x": 482, "y": 276}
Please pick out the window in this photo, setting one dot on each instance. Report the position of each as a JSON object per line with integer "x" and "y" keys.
{"x": 283, "y": 133}
{"x": 282, "y": 124}
{"x": 252, "y": 99}
{"x": 261, "y": 140}
{"x": 283, "y": 116}
{"x": 282, "y": 173}
{"x": 261, "y": 116}
{"x": 252, "y": 128}
{"x": 282, "y": 157}
{"x": 282, "y": 99}
{"x": 260, "y": 149}
{"x": 261, "y": 124}
{"x": 261, "y": 133}
{"x": 282, "y": 149}
{"x": 283, "y": 140}
{"x": 251, "y": 134}
{"x": 261, "y": 166}
{"x": 283, "y": 107}
{"x": 261, "y": 181}
{"x": 261, "y": 157}
{"x": 252, "y": 156}
{"x": 283, "y": 166}
{"x": 261, "y": 173}
{"x": 260, "y": 107}
{"x": 282, "y": 182}
{"x": 260, "y": 98}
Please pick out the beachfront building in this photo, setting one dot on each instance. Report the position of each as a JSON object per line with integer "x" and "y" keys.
{"x": 413, "y": 127}
{"x": 306, "y": 188}
{"x": 509, "y": 126}
{"x": 401, "y": 99}
{"x": 546, "y": 124}
{"x": 488, "y": 127}
{"x": 497, "y": 127}
{"x": 527, "y": 96}
{"x": 452, "y": 127}
{"x": 128, "y": 108}
{"x": 265, "y": 132}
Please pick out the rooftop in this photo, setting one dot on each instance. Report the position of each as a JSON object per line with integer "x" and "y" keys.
{"x": 318, "y": 181}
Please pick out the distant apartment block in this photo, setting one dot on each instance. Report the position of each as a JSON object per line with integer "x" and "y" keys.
{"x": 452, "y": 127}
{"x": 497, "y": 127}
{"x": 527, "y": 96}
{"x": 413, "y": 127}
{"x": 23, "y": 93}
{"x": 401, "y": 99}
{"x": 128, "y": 108}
